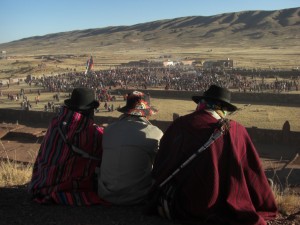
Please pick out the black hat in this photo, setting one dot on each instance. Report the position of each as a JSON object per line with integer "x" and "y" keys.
{"x": 138, "y": 104}
{"x": 82, "y": 99}
{"x": 223, "y": 95}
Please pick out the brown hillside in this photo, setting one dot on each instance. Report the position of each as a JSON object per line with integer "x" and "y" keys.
{"x": 248, "y": 28}
{"x": 252, "y": 39}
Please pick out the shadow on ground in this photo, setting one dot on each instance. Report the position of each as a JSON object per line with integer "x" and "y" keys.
{"x": 16, "y": 207}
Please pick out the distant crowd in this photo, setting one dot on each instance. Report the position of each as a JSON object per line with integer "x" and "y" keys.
{"x": 169, "y": 79}
{"x": 180, "y": 79}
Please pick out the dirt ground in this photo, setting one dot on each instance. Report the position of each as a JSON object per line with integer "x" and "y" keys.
{"x": 21, "y": 143}
{"x": 16, "y": 208}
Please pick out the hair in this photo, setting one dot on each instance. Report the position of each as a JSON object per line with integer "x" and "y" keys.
{"x": 221, "y": 112}
{"x": 215, "y": 105}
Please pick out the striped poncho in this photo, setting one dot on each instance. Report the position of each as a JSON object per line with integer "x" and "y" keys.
{"x": 59, "y": 174}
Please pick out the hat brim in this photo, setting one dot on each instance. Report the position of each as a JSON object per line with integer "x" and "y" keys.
{"x": 138, "y": 112}
{"x": 229, "y": 106}
{"x": 70, "y": 104}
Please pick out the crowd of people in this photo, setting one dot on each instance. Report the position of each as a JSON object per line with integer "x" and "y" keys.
{"x": 169, "y": 78}
{"x": 180, "y": 79}
{"x": 204, "y": 169}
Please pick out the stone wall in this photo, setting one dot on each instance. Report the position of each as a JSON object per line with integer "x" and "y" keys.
{"x": 42, "y": 119}
{"x": 236, "y": 97}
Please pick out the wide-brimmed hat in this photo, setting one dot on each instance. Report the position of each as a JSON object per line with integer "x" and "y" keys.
{"x": 82, "y": 99}
{"x": 138, "y": 104}
{"x": 222, "y": 95}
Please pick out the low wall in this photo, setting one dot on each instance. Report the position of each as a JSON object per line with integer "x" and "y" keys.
{"x": 42, "y": 119}
{"x": 236, "y": 97}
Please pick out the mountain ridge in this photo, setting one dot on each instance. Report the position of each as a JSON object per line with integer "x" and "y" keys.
{"x": 245, "y": 29}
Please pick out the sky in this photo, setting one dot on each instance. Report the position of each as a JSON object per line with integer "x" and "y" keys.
{"x": 27, "y": 18}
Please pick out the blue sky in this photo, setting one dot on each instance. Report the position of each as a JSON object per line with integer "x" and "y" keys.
{"x": 26, "y": 18}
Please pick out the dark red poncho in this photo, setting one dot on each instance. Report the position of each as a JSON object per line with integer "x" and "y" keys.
{"x": 225, "y": 184}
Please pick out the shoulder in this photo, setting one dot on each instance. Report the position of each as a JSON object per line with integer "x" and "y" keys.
{"x": 181, "y": 120}
{"x": 154, "y": 128}
{"x": 153, "y": 131}
{"x": 236, "y": 124}
{"x": 237, "y": 127}
{"x": 98, "y": 129}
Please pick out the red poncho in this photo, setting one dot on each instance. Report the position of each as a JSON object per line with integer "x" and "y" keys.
{"x": 225, "y": 184}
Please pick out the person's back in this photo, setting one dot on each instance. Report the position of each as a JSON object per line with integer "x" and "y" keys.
{"x": 226, "y": 183}
{"x": 129, "y": 148}
{"x": 64, "y": 170}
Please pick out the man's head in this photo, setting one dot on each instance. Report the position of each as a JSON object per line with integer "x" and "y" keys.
{"x": 138, "y": 104}
{"x": 217, "y": 95}
{"x": 82, "y": 99}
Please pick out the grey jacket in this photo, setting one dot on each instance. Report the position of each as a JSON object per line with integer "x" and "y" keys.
{"x": 129, "y": 148}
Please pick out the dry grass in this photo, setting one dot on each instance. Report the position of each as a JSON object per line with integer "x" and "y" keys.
{"x": 288, "y": 202}
{"x": 287, "y": 199}
{"x": 12, "y": 173}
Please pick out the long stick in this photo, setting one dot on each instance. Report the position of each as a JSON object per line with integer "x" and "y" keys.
{"x": 211, "y": 140}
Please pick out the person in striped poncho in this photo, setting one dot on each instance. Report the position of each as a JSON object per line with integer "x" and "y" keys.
{"x": 64, "y": 169}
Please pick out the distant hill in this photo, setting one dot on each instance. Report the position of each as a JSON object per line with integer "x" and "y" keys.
{"x": 243, "y": 29}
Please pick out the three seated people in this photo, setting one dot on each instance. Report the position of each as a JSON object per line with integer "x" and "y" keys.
{"x": 223, "y": 184}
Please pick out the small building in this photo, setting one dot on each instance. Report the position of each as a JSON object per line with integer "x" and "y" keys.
{"x": 3, "y": 54}
{"x": 168, "y": 63}
{"x": 13, "y": 80}
{"x": 187, "y": 62}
